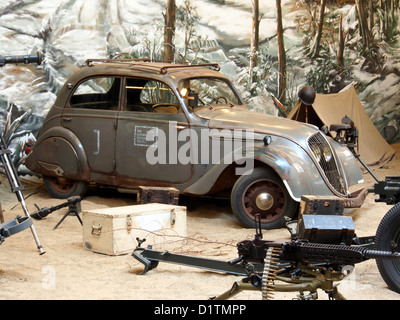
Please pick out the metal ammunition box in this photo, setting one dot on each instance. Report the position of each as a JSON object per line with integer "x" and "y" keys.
{"x": 329, "y": 229}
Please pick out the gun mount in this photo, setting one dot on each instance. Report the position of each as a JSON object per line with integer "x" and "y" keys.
{"x": 16, "y": 187}
{"x": 11, "y": 227}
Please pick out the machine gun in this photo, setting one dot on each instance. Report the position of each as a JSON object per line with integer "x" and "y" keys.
{"x": 19, "y": 223}
{"x": 74, "y": 208}
{"x": 388, "y": 189}
{"x": 268, "y": 266}
{"x": 27, "y": 59}
{"x": 347, "y": 134}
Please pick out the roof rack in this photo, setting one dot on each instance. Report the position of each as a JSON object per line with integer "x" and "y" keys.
{"x": 163, "y": 70}
{"x": 216, "y": 67}
{"x": 89, "y": 62}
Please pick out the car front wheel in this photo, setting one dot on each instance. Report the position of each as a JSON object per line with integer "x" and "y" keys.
{"x": 262, "y": 192}
{"x": 64, "y": 188}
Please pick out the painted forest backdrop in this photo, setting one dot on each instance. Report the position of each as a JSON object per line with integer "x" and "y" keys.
{"x": 267, "y": 48}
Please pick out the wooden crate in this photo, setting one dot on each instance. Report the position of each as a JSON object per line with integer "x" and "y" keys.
{"x": 157, "y": 195}
{"x": 324, "y": 205}
{"x": 113, "y": 231}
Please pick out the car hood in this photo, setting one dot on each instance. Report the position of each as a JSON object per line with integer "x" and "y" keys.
{"x": 241, "y": 118}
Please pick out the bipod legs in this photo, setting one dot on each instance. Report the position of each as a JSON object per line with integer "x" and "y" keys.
{"x": 237, "y": 287}
{"x": 74, "y": 210}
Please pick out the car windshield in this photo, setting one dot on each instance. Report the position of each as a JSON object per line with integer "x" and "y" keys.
{"x": 201, "y": 92}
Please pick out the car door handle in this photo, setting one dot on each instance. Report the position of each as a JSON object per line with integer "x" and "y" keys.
{"x": 67, "y": 119}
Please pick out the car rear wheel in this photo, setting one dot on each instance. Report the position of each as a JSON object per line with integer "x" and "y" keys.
{"x": 64, "y": 188}
{"x": 263, "y": 193}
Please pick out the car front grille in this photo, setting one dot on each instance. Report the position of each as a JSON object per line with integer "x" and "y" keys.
{"x": 325, "y": 157}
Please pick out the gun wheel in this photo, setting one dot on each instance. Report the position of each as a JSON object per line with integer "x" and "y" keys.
{"x": 387, "y": 237}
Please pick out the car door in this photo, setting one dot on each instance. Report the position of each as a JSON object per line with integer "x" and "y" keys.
{"x": 147, "y": 146}
{"x": 92, "y": 116}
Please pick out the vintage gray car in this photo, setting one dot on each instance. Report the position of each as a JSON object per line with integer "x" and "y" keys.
{"x": 126, "y": 124}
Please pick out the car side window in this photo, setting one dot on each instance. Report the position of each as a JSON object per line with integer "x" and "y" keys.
{"x": 100, "y": 93}
{"x": 144, "y": 95}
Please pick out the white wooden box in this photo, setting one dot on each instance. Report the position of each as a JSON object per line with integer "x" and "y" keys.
{"x": 113, "y": 231}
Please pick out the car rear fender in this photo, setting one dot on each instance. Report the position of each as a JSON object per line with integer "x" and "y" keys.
{"x": 58, "y": 152}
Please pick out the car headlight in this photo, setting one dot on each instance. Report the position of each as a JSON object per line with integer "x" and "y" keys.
{"x": 317, "y": 152}
{"x": 327, "y": 153}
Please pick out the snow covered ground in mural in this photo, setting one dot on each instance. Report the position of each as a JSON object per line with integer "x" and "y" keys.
{"x": 70, "y": 31}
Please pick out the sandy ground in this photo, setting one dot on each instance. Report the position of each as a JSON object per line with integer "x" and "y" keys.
{"x": 68, "y": 270}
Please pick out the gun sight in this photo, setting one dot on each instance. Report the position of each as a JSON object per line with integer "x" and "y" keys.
{"x": 27, "y": 59}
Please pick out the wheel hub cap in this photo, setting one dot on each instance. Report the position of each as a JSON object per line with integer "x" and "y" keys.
{"x": 264, "y": 201}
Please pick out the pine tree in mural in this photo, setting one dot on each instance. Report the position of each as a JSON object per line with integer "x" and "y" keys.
{"x": 187, "y": 20}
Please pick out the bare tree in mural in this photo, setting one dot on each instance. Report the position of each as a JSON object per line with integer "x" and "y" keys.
{"x": 281, "y": 54}
{"x": 169, "y": 31}
{"x": 254, "y": 37}
{"x": 340, "y": 54}
{"x": 365, "y": 31}
{"x": 315, "y": 50}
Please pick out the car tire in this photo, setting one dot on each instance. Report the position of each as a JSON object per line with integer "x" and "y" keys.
{"x": 262, "y": 192}
{"x": 64, "y": 188}
{"x": 388, "y": 231}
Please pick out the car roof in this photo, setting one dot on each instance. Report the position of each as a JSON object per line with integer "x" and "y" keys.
{"x": 169, "y": 73}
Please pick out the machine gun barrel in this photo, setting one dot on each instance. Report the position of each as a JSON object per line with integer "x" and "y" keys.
{"x": 26, "y": 59}
{"x": 332, "y": 254}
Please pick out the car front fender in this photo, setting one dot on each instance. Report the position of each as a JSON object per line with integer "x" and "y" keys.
{"x": 67, "y": 154}
{"x": 294, "y": 166}
{"x": 296, "y": 169}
